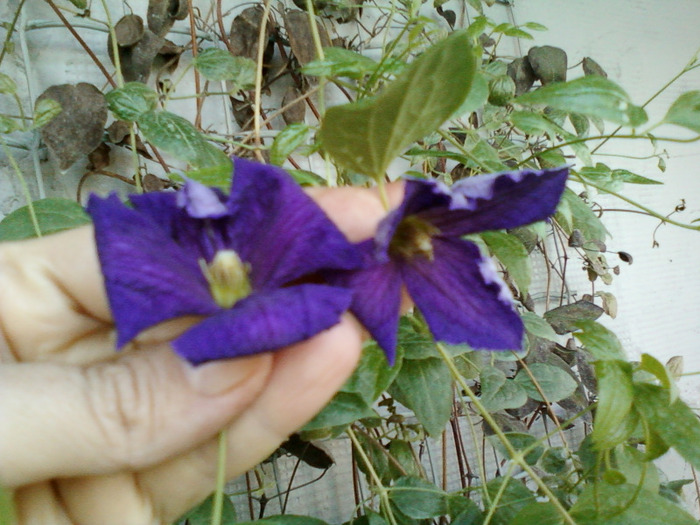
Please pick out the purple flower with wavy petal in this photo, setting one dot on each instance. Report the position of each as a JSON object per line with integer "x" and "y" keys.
{"x": 239, "y": 261}
{"x": 419, "y": 245}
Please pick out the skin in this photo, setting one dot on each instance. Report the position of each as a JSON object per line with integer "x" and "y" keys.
{"x": 93, "y": 436}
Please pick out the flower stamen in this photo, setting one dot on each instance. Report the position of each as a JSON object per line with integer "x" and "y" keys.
{"x": 413, "y": 236}
{"x": 227, "y": 276}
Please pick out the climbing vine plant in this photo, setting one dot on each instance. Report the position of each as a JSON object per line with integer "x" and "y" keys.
{"x": 336, "y": 91}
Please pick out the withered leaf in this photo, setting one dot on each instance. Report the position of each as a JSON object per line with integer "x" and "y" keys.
{"x": 136, "y": 61}
{"x": 245, "y": 29}
{"x": 591, "y": 67}
{"x": 297, "y": 111}
{"x": 522, "y": 74}
{"x": 301, "y": 37}
{"x": 548, "y": 63}
{"x": 152, "y": 183}
{"x": 163, "y": 13}
{"x": 129, "y": 30}
{"x": 563, "y": 318}
{"x": 77, "y": 130}
{"x": 99, "y": 158}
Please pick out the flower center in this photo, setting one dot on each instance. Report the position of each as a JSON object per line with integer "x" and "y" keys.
{"x": 413, "y": 236}
{"x": 227, "y": 276}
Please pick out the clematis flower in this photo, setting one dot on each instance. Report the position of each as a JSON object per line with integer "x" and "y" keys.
{"x": 419, "y": 245}
{"x": 239, "y": 261}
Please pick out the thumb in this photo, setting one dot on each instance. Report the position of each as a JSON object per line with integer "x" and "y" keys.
{"x": 125, "y": 414}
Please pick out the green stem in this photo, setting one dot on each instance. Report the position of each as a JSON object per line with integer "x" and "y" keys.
{"x": 25, "y": 188}
{"x": 115, "y": 46}
{"x": 218, "y": 503}
{"x": 516, "y": 457}
{"x": 11, "y": 30}
{"x": 646, "y": 210}
{"x": 381, "y": 491}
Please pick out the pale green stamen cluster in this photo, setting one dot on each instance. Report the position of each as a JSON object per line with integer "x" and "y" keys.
{"x": 227, "y": 276}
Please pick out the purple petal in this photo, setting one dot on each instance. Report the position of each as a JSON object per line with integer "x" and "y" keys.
{"x": 201, "y": 202}
{"x": 280, "y": 230}
{"x": 263, "y": 322}
{"x": 462, "y": 297}
{"x": 376, "y": 298}
{"x": 148, "y": 277}
{"x": 498, "y": 201}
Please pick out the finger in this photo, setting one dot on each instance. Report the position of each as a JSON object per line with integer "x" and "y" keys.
{"x": 124, "y": 414}
{"x": 303, "y": 379}
{"x": 356, "y": 211}
{"x": 52, "y": 297}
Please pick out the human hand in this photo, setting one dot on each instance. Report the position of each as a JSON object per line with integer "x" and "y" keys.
{"x": 89, "y": 435}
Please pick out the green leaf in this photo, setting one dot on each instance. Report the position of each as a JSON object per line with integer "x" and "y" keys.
{"x": 285, "y": 519}
{"x": 512, "y": 253}
{"x": 613, "y": 423}
{"x": 593, "y": 96}
{"x": 477, "y": 27}
{"x": 601, "y": 342}
{"x": 425, "y": 387}
{"x": 605, "y": 504}
{"x": 217, "y": 64}
{"x": 520, "y": 441}
{"x": 45, "y": 110}
{"x": 582, "y": 217}
{"x": 402, "y": 452}
{"x": 464, "y": 511}
{"x": 477, "y": 97}
{"x": 7, "y": 85}
{"x": 540, "y": 513}
{"x": 7, "y": 125}
{"x": 372, "y": 376}
{"x": 343, "y": 409}
{"x": 7, "y": 508}
{"x": 53, "y": 215}
{"x": 286, "y": 141}
{"x": 219, "y": 176}
{"x": 307, "y": 178}
{"x": 418, "y": 498}
{"x": 637, "y": 468}
{"x": 514, "y": 498}
{"x": 652, "y": 365}
{"x": 366, "y": 136}
{"x": 202, "y": 513}
{"x": 685, "y": 111}
{"x": 554, "y": 382}
{"x": 567, "y": 318}
{"x": 538, "y": 327}
{"x": 674, "y": 422}
{"x": 130, "y": 101}
{"x": 340, "y": 62}
{"x": 179, "y": 137}
{"x": 498, "y": 392}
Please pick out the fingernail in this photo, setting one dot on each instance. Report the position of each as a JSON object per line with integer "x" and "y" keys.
{"x": 218, "y": 377}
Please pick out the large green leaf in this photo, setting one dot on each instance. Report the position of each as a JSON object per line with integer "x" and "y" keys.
{"x": 7, "y": 509}
{"x": 593, "y": 96}
{"x": 541, "y": 513}
{"x": 606, "y": 504}
{"x": 372, "y": 375}
{"x": 514, "y": 498}
{"x": 418, "y": 498}
{"x": 131, "y": 100}
{"x": 366, "y": 136}
{"x": 499, "y": 392}
{"x": 285, "y": 519}
{"x": 340, "y": 62}
{"x": 343, "y": 409}
{"x": 7, "y": 85}
{"x": 674, "y": 421}
{"x": 512, "y": 253}
{"x": 538, "y": 327}
{"x": 685, "y": 111}
{"x": 179, "y": 137}
{"x": 286, "y": 141}
{"x": 217, "y": 64}
{"x": 600, "y": 341}
{"x": 425, "y": 386}
{"x": 202, "y": 513}
{"x": 554, "y": 382}
{"x": 53, "y": 215}
{"x": 613, "y": 423}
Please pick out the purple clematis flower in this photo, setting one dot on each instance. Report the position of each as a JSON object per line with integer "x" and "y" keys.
{"x": 418, "y": 245}
{"x": 239, "y": 261}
